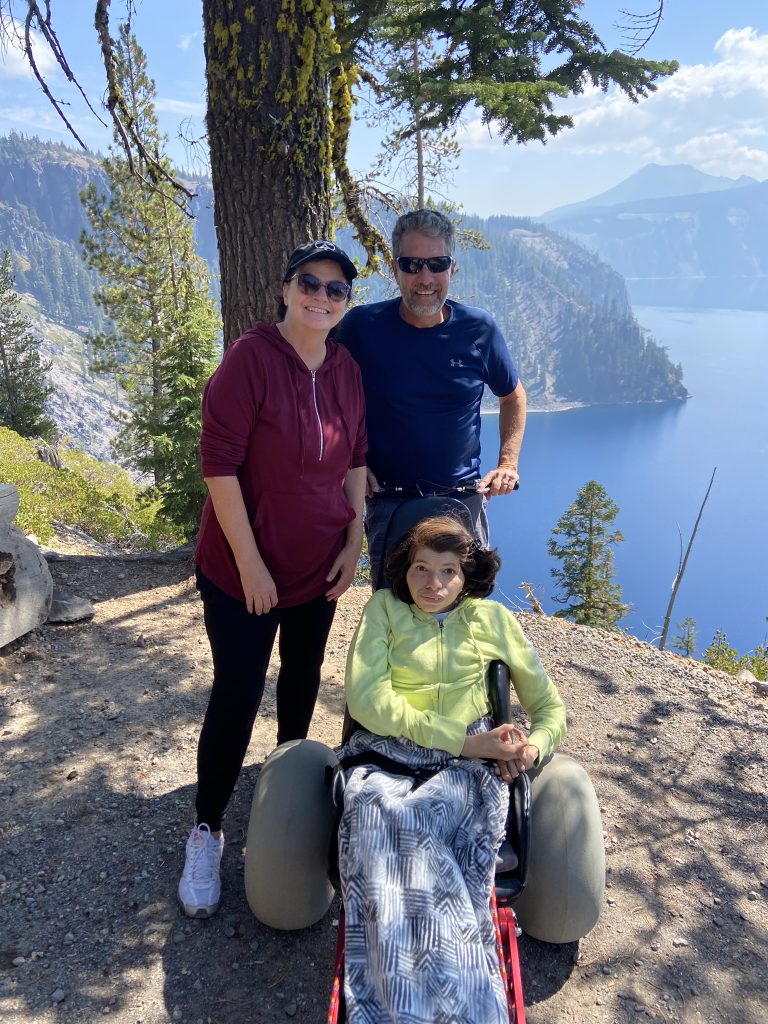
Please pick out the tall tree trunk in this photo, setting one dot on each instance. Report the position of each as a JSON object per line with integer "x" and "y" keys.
{"x": 269, "y": 138}
{"x": 420, "y": 190}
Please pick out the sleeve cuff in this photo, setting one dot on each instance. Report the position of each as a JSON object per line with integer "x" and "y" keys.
{"x": 450, "y": 736}
{"x": 540, "y": 738}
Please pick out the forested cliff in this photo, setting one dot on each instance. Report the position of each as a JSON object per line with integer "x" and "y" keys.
{"x": 565, "y": 314}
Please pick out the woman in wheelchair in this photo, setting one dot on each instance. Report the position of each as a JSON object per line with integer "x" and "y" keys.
{"x": 426, "y": 798}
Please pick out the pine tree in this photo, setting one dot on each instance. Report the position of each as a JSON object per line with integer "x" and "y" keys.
{"x": 583, "y": 543}
{"x": 721, "y": 655}
{"x": 155, "y": 291}
{"x": 24, "y": 389}
{"x": 415, "y": 161}
{"x": 685, "y": 641}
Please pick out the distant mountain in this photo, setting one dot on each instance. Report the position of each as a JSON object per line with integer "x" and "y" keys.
{"x": 654, "y": 181}
{"x": 565, "y": 314}
{"x": 702, "y": 251}
{"x": 42, "y": 218}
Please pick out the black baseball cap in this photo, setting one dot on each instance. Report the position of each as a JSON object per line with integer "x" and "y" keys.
{"x": 320, "y": 250}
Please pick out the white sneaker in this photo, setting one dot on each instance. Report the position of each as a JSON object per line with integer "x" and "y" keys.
{"x": 200, "y": 885}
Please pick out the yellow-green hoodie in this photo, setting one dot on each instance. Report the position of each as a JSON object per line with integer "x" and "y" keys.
{"x": 409, "y": 675}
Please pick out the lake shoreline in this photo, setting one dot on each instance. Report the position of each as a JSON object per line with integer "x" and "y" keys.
{"x": 655, "y": 461}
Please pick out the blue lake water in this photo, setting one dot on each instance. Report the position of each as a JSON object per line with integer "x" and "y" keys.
{"x": 655, "y": 462}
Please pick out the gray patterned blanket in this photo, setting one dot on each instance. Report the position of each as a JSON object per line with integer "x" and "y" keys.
{"x": 416, "y": 864}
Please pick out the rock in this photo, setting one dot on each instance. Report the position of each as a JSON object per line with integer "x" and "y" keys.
{"x": 26, "y": 586}
{"x": 68, "y": 608}
{"x": 745, "y": 676}
{"x": 58, "y": 996}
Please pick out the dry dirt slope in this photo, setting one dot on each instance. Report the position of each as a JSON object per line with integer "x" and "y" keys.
{"x": 98, "y": 723}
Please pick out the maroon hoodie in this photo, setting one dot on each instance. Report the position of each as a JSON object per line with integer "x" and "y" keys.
{"x": 290, "y": 437}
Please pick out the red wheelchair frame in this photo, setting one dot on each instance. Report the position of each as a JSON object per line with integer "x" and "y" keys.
{"x": 506, "y": 890}
{"x": 509, "y": 964}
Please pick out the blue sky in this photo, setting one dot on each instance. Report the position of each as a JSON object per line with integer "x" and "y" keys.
{"x": 712, "y": 114}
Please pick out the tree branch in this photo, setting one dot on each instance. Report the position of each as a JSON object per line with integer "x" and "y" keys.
{"x": 123, "y": 119}
{"x": 681, "y": 570}
{"x": 641, "y": 28}
{"x": 43, "y": 23}
{"x": 38, "y": 19}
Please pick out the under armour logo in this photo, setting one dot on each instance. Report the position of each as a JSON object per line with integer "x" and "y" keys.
{"x": 324, "y": 246}
{"x": 457, "y": 362}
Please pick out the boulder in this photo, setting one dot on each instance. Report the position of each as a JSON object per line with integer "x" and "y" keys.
{"x": 26, "y": 587}
{"x": 69, "y": 608}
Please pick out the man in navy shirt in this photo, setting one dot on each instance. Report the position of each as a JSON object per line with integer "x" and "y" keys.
{"x": 425, "y": 361}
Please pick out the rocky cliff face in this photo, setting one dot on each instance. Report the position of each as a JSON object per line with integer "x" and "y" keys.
{"x": 85, "y": 407}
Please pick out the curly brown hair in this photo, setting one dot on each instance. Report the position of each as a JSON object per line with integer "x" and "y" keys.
{"x": 444, "y": 533}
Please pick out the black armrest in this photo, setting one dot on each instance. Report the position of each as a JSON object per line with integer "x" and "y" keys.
{"x": 498, "y": 692}
{"x": 509, "y": 886}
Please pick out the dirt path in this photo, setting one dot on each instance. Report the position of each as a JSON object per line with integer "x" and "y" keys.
{"x": 97, "y": 741}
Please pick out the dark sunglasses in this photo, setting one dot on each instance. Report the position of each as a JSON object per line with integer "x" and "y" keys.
{"x": 337, "y": 291}
{"x": 435, "y": 264}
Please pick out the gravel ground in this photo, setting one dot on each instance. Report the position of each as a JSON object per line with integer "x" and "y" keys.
{"x": 98, "y": 730}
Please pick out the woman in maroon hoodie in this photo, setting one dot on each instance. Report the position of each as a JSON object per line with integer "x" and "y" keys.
{"x": 283, "y": 454}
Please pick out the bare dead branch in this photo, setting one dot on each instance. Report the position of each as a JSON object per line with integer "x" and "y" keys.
{"x": 682, "y": 566}
{"x": 534, "y": 601}
{"x": 123, "y": 119}
{"x": 38, "y": 20}
{"x": 35, "y": 18}
{"x": 639, "y": 29}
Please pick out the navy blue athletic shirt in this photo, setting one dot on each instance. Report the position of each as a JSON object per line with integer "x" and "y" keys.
{"x": 423, "y": 387}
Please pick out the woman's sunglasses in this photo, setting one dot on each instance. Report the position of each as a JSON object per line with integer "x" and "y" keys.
{"x": 435, "y": 264}
{"x": 337, "y": 291}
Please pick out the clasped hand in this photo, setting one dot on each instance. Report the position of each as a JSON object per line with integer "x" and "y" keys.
{"x": 507, "y": 745}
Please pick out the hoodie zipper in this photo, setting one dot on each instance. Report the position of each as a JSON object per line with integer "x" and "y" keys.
{"x": 440, "y": 668}
{"x": 317, "y": 413}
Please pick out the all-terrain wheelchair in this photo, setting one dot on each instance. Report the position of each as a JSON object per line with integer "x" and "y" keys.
{"x": 553, "y": 889}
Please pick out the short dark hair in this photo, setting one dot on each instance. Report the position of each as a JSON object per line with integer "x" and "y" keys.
{"x": 444, "y": 533}
{"x": 424, "y": 222}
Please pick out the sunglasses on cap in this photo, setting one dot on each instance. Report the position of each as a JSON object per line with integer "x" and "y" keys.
{"x": 337, "y": 291}
{"x": 435, "y": 264}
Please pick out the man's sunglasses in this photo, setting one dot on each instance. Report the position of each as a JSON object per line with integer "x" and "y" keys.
{"x": 435, "y": 264}
{"x": 337, "y": 291}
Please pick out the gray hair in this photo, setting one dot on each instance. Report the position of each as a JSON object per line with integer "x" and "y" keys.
{"x": 425, "y": 222}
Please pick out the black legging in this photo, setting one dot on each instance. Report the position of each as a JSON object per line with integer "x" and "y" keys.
{"x": 241, "y": 644}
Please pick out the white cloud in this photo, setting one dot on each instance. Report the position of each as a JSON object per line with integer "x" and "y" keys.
{"x": 13, "y": 62}
{"x": 186, "y": 41}
{"x": 703, "y": 115}
{"x": 38, "y": 118}
{"x": 474, "y": 134}
{"x": 186, "y": 108}
{"x": 723, "y": 153}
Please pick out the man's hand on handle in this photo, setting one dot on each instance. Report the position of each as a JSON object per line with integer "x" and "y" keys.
{"x": 500, "y": 481}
